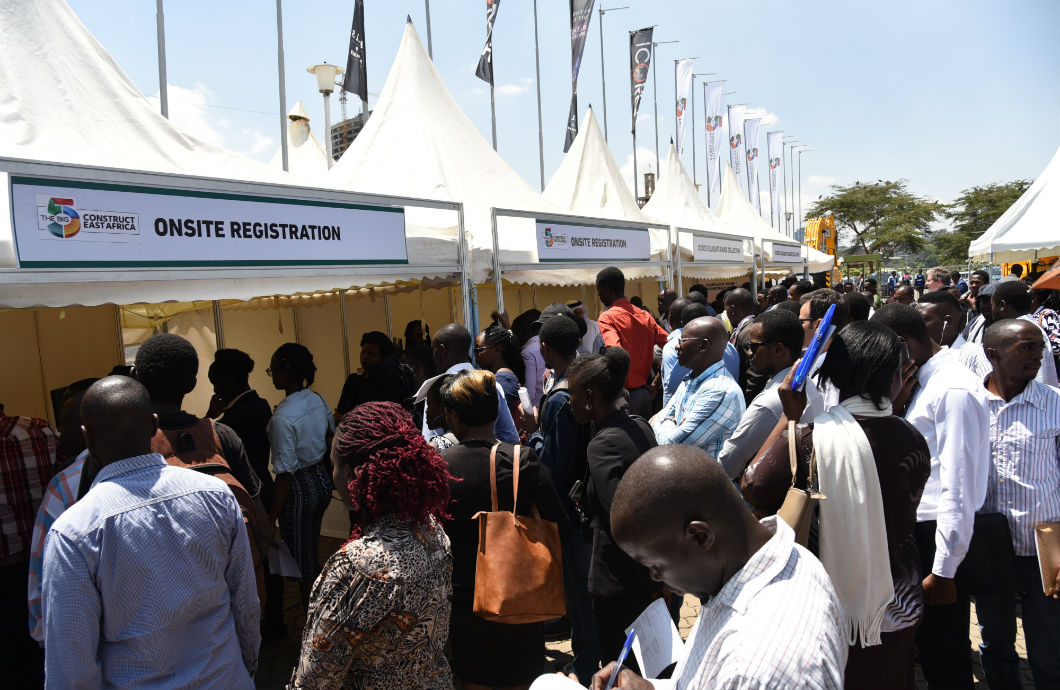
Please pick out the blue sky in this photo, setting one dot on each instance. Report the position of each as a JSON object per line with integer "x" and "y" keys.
{"x": 947, "y": 94}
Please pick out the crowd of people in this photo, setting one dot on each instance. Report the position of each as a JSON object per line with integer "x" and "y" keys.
{"x": 663, "y": 447}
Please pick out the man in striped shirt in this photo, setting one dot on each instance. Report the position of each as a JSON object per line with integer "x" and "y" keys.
{"x": 769, "y": 618}
{"x": 1024, "y": 485}
{"x": 708, "y": 404}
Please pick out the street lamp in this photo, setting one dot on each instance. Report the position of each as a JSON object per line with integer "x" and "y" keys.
{"x": 325, "y": 75}
{"x": 603, "y": 80}
{"x": 789, "y": 142}
{"x": 800, "y": 150}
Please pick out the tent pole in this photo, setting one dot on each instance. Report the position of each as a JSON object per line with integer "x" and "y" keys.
{"x": 754, "y": 269}
{"x": 678, "y": 259}
{"x": 430, "y": 45}
{"x": 163, "y": 86}
{"x": 670, "y": 261}
{"x": 345, "y": 335}
{"x": 498, "y": 277}
{"x": 465, "y": 269}
{"x": 119, "y": 334}
{"x": 389, "y": 321}
{"x": 283, "y": 90}
{"x": 218, "y": 326}
{"x": 540, "y": 132}
{"x": 493, "y": 116}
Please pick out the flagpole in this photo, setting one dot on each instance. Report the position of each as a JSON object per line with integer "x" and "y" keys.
{"x": 694, "y": 75}
{"x": 603, "y": 81}
{"x": 789, "y": 198}
{"x": 540, "y": 132}
{"x": 493, "y": 116}
{"x": 430, "y": 46}
{"x": 655, "y": 97}
{"x": 282, "y": 85}
{"x": 163, "y": 86}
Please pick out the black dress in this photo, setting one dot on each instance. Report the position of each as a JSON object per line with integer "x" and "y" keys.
{"x": 248, "y": 416}
{"x": 485, "y": 652}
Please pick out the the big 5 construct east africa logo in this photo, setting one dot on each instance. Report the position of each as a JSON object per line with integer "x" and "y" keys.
{"x": 774, "y": 163}
{"x": 64, "y": 221}
{"x": 752, "y": 154}
{"x": 713, "y": 122}
{"x": 681, "y": 104}
{"x": 549, "y": 240}
{"x": 734, "y": 141}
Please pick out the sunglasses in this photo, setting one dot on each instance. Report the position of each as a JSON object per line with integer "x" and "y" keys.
{"x": 752, "y": 347}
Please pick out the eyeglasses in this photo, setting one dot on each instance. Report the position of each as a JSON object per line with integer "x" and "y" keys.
{"x": 682, "y": 341}
{"x": 805, "y": 320}
{"x": 479, "y": 349}
{"x": 752, "y": 346}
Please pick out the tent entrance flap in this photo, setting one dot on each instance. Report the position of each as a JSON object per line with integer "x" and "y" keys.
{"x": 577, "y": 246}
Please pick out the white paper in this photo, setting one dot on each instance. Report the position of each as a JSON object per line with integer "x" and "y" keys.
{"x": 555, "y": 681}
{"x": 657, "y": 643}
{"x": 281, "y": 562}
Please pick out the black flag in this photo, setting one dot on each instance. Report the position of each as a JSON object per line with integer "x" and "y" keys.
{"x": 356, "y": 80}
{"x": 581, "y": 13}
{"x": 484, "y": 71}
{"x": 639, "y": 59}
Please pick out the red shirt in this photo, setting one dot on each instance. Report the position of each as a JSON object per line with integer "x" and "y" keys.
{"x": 27, "y": 463}
{"x": 636, "y": 332}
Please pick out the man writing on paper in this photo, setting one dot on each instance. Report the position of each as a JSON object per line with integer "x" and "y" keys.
{"x": 769, "y": 616}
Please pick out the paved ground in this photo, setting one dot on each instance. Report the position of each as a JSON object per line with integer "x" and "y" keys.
{"x": 278, "y": 657}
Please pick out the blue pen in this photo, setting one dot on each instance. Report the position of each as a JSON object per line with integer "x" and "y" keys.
{"x": 621, "y": 659}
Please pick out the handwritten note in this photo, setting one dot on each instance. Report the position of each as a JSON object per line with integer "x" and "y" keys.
{"x": 657, "y": 644}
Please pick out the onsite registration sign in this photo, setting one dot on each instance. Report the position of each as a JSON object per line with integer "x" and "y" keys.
{"x": 77, "y": 223}
{"x": 572, "y": 242}
{"x": 785, "y": 253}
{"x": 714, "y": 249}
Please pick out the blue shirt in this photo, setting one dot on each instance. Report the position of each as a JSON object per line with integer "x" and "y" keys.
{"x": 703, "y": 412}
{"x": 731, "y": 360}
{"x": 503, "y": 428}
{"x": 672, "y": 372}
{"x": 298, "y": 431}
{"x": 149, "y": 583}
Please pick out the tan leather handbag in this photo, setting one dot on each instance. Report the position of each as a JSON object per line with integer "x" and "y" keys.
{"x": 519, "y": 571}
{"x": 797, "y": 508}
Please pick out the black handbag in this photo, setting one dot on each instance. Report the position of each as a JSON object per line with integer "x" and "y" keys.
{"x": 989, "y": 567}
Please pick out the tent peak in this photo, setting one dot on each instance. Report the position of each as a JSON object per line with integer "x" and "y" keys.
{"x": 298, "y": 112}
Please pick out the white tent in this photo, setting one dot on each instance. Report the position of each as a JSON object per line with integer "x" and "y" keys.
{"x": 675, "y": 202}
{"x": 737, "y": 212}
{"x": 1030, "y": 227}
{"x": 306, "y": 158}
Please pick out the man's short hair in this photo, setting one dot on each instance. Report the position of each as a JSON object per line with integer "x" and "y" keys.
{"x": 612, "y": 279}
{"x": 788, "y": 306}
{"x": 821, "y": 299}
{"x": 1016, "y": 270}
{"x": 982, "y": 274}
{"x": 167, "y": 365}
{"x": 781, "y": 326}
{"x": 803, "y": 287}
{"x": 561, "y": 335}
{"x": 694, "y": 310}
{"x": 903, "y": 319}
{"x": 944, "y": 297}
{"x": 857, "y": 306}
{"x": 1015, "y": 293}
{"x": 939, "y": 273}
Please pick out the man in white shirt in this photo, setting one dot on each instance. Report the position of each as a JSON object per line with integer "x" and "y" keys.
{"x": 774, "y": 344}
{"x": 946, "y": 406}
{"x": 1023, "y": 485}
{"x": 769, "y": 616}
{"x": 592, "y": 342}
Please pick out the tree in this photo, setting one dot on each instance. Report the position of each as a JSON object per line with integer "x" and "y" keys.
{"x": 882, "y": 217}
{"x": 972, "y": 214}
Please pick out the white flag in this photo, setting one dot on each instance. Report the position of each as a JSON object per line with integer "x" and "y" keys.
{"x": 736, "y": 149}
{"x": 712, "y": 93}
{"x": 750, "y": 142}
{"x": 683, "y": 76}
{"x": 775, "y": 147}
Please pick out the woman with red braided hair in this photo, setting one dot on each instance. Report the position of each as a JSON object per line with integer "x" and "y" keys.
{"x": 379, "y": 612}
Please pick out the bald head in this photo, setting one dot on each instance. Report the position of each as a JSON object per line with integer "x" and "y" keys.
{"x": 709, "y": 344}
{"x": 451, "y": 345}
{"x": 116, "y": 419}
{"x": 700, "y": 533}
{"x": 739, "y": 303}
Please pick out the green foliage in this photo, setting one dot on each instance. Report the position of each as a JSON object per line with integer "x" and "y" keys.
{"x": 881, "y": 218}
{"x": 972, "y": 214}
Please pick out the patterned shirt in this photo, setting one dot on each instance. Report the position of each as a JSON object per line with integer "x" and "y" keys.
{"x": 1049, "y": 321}
{"x": 27, "y": 463}
{"x": 776, "y": 623}
{"x": 60, "y": 495}
{"x": 1024, "y": 479}
{"x": 149, "y": 583}
{"x": 379, "y": 612}
{"x": 703, "y": 412}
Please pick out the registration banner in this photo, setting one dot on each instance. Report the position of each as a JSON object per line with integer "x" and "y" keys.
{"x": 736, "y": 144}
{"x": 713, "y": 249}
{"x": 73, "y": 223}
{"x": 571, "y": 242}
{"x": 785, "y": 253}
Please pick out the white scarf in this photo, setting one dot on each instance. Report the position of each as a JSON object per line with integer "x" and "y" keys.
{"x": 853, "y": 535}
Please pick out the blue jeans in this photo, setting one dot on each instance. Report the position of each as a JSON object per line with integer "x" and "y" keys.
{"x": 576, "y": 558}
{"x": 1041, "y": 630}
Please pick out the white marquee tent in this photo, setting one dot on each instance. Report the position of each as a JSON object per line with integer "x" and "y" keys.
{"x": 676, "y": 203}
{"x": 307, "y": 160}
{"x": 1030, "y": 227}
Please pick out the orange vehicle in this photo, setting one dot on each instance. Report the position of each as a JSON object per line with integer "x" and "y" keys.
{"x": 821, "y": 234}
{"x": 1044, "y": 263}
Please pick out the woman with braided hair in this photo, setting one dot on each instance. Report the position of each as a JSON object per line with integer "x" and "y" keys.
{"x": 497, "y": 350}
{"x": 379, "y": 613}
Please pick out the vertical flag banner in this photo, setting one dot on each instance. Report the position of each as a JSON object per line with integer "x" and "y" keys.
{"x": 484, "y": 71}
{"x": 736, "y": 147}
{"x": 684, "y": 92}
{"x": 356, "y": 80}
{"x": 712, "y": 96}
{"x": 581, "y": 13}
{"x": 750, "y": 142}
{"x": 775, "y": 147}
{"x": 639, "y": 61}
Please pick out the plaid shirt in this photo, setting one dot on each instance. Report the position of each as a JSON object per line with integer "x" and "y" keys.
{"x": 703, "y": 412}
{"x": 27, "y": 463}
{"x": 776, "y": 623}
{"x": 60, "y": 495}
